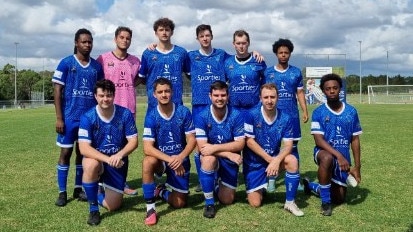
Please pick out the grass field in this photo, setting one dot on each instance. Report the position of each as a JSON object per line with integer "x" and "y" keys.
{"x": 382, "y": 202}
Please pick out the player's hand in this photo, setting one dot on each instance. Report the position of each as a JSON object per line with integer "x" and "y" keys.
{"x": 152, "y": 46}
{"x": 175, "y": 162}
{"x": 343, "y": 163}
{"x": 207, "y": 149}
{"x": 180, "y": 171}
{"x": 115, "y": 161}
{"x": 60, "y": 126}
{"x": 305, "y": 117}
{"x": 234, "y": 157}
{"x": 273, "y": 167}
{"x": 258, "y": 57}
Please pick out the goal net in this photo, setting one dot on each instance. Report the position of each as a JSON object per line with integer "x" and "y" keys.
{"x": 390, "y": 94}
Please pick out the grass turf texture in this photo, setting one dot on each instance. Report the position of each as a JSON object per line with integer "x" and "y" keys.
{"x": 382, "y": 202}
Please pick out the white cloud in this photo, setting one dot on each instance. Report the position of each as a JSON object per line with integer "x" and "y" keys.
{"x": 45, "y": 29}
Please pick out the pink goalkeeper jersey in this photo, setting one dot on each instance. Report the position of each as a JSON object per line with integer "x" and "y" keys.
{"x": 123, "y": 74}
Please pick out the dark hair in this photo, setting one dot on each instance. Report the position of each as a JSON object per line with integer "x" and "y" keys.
{"x": 330, "y": 77}
{"x": 163, "y": 22}
{"x": 240, "y": 33}
{"x": 77, "y": 36}
{"x": 217, "y": 85}
{"x": 122, "y": 28}
{"x": 161, "y": 81}
{"x": 203, "y": 27}
{"x": 269, "y": 86}
{"x": 105, "y": 85}
{"x": 282, "y": 43}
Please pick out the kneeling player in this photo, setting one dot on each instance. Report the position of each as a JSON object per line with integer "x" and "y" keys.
{"x": 265, "y": 129}
{"x": 107, "y": 135}
{"x": 336, "y": 127}
{"x": 168, "y": 140}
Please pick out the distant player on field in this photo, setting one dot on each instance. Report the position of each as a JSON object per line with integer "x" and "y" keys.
{"x": 122, "y": 69}
{"x": 266, "y": 127}
{"x": 73, "y": 81}
{"x": 336, "y": 128}
{"x": 168, "y": 140}
{"x": 107, "y": 136}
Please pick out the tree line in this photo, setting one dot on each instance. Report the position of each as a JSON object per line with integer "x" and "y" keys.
{"x": 29, "y": 81}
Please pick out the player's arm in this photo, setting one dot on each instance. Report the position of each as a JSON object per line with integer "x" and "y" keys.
{"x": 257, "y": 149}
{"x": 57, "y": 92}
{"x": 149, "y": 149}
{"x": 177, "y": 160}
{"x": 323, "y": 144}
{"x": 116, "y": 159}
{"x": 303, "y": 104}
{"x": 273, "y": 167}
{"x": 226, "y": 150}
{"x": 355, "y": 148}
{"x": 88, "y": 151}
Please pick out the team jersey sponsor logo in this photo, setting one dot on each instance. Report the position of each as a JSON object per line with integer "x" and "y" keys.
{"x": 57, "y": 74}
{"x": 147, "y": 131}
{"x": 315, "y": 125}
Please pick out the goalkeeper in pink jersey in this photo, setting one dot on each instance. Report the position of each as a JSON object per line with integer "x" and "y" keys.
{"x": 122, "y": 69}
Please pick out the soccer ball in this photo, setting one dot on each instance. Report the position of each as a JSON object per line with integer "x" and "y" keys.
{"x": 351, "y": 181}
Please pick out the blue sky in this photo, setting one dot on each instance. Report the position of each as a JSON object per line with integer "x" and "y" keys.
{"x": 325, "y": 33}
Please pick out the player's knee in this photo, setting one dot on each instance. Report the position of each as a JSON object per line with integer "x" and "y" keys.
{"x": 177, "y": 201}
{"x": 149, "y": 163}
{"x": 291, "y": 163}
{"x": 254, "y": 202}
{"x": 325, "y": 158}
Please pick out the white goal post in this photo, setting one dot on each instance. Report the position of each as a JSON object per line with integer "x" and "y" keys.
{"x": 390, "y": 94}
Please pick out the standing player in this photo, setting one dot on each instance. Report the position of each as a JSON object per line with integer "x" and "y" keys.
{"x": 166, "y": 60}
{"x": 289, "y": 82}
{"x": 206, "y": 66}
{"x": 168, "y": 140}
{"x": 244, "y": 74}
{"x": 107, "y": 136}
{"x": 265, "y": 128}
{"x": 336, "y": 128}
{"x": 122, "y": 69}
{"x": 73, "y": 82}
{"x": 220, "y": 139}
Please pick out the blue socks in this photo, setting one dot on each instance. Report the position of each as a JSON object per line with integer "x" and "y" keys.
{"x": 62, "y": 173}
{"x": 325, "y": 193}
{"x": 91, "y": 190}
{"x": 79, "y": 174}
{"x": 292, "y": 180}
{"x": 207, "y": 179}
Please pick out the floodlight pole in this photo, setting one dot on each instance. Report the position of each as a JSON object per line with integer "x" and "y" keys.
{"x": 387, "y": 73}
{"x": 15, "y": 79}
{"x": 360, "y": 69}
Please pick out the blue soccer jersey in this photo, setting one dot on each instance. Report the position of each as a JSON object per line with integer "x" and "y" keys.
{"x": 288, "y": 82}
{"x": 230, "y": 128}
{"x": 204, "y": 70}
{"x": 170, "y": 65}
{"x": 267, "y": 134}
{"x": 244, "y": 79}
{"x": 169, "y": 134}
{"x": 337, "y": 128}
{"x": 107, "y": 136}
{"x": 78, "y": 81}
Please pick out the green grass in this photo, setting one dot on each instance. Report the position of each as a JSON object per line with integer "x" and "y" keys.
{"x": 382, "y": 202}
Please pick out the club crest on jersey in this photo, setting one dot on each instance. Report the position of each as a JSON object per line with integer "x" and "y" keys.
{"x": 208, "y": 68}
